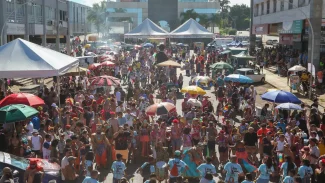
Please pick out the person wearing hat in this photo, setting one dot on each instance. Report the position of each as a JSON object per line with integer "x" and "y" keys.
{"x": 232, "y": 170}
{"x": 34, "y": 172}
{"x": 36, "y": 141}
{"x": 176, "y": 134}
{"x": 175, "y": 166}
{"x": 118, "y": 168}
{"x": 99, "y": 143}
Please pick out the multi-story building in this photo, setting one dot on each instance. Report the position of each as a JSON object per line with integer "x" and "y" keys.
{"x": 169, "y": 11}
{"x": 33, "y": 25}
{"x": 290, "y": 20}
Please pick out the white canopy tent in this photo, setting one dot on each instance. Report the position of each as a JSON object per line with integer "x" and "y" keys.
{"x": 147, "y": 29}
{"x": 23, "y": 59}
{"x": 191, "y": 29}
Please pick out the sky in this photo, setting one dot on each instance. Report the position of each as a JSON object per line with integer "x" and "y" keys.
{"x": 90, "y": 2}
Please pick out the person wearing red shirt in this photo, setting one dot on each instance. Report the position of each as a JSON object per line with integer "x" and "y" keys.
{"x": 100, "y": 99}
{"x": 261, "y": 133}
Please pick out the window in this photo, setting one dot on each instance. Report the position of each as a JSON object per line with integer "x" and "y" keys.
{"x": 267, "y": 7}
{"x": 256, "y": 10}
{"x": 250, "y": 72}
{"x": 274, "y": 5}
{"x": 290, "y": 4}
{"x": 282, "y": 6}
{"x": 262, "y": 7}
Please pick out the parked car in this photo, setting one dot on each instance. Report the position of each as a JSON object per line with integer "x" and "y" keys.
{"x": 255, "y": 75}
{"x": 20, "y": 164}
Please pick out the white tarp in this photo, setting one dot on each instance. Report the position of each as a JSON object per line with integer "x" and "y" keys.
{"x": 23, "y": 59}
{"x": 147, "y": 29}
{"x": 191, "y": 29}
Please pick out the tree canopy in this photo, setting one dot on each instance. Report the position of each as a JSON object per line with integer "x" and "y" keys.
{"x": 240, "y": 14}
{"x": 189, "y": 14}
{"x": 97, "y": 15}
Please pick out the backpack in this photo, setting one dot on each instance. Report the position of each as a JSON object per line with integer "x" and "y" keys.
{"x": 174, "y": 170}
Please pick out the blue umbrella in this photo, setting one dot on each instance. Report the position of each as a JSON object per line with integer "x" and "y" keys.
{"x": 238, "y": 78}
{"x": 148, "y": 45}
{"x": 280, "y": 96}
{"x": 289, "y": 106}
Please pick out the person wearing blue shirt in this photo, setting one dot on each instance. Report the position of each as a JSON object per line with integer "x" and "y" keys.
{"x": 121, "y": 119}
{"x": 181, "y": 166}
{"x": 232, "y": 170}
{"x": 207, "y": 170}
{"x": 93, "y": 177}
{"x": 152, "y": 177}
{"x": 287, "y": 166}
{"x": 281, "y": 125}
{"x": 305, "y": 170}
{"x": 289, "y": 178}
{"x": 36, "y": 122}
{"x": 248, "y": 178}
{"x": 118, "y": 168}
{"x": 265, "y": 170}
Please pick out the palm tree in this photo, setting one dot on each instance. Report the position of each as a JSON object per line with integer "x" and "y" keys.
{"x": 224, "y": 5}
{"x": 215, "y": 19}
{"x": 97, "y": 15}
{"x": 121, "y": 19}
{"x": 204, "y": 20}
{"x": 188, "y": 14}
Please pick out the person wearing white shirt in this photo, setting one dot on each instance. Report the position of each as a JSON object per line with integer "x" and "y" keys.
{"x": 65, "y": 162}
{"x": 30, "y": 128}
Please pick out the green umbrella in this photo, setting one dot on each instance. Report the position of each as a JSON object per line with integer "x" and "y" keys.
{"x": 16, "y": 112}
{"x": 221, "y": 65}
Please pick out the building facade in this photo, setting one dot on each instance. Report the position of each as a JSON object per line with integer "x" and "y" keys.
{"x": 47, "y": 18}
{"x": 161, "y": 12}
{"x": 293, "y": 21}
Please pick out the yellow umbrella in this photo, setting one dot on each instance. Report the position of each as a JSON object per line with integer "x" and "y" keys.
{"x": 169, "y": 63}
{"x": 273, "y": 89}
{"x": 87, "y": 46}
{"x": 193, "y": 90}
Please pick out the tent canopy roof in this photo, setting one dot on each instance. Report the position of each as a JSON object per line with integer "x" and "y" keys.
{"x": 191, "y": 29}
{"x": 147, "y": 29}
{"x": 23, "y": 59}
{"x": 243, "y": 55}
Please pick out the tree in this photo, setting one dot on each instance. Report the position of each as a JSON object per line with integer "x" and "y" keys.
{"x": 215, "y": 19}
{"x": 224, "y": 5}
{"x": 97, "y": 15}
{"x": 188, "y": 14}
{"x": 232, "y": 32}
{"x": 241, "y": 15}
{"x": 204, "y": 20}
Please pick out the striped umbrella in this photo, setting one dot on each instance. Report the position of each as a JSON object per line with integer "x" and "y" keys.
{"x": 160, "y": 108}
{"x": 104, "y": 81}
{"x": 107, "y": 63}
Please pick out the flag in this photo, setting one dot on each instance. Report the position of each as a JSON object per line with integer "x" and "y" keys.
{"x": 250, "y": 168}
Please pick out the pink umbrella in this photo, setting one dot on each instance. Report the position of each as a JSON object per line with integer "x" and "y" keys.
{"x": 104, "y": 81}
{"x": 160, "y": 108}
{"x": 108, "y": 64}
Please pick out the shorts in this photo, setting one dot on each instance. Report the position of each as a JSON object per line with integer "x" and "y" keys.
{"x": 125, "y": 154}
{"x": 37, "y": 152}
{"x": 212, "y": 146}
{"x": 222, "y": 149}
{"x": 176, "y": 142}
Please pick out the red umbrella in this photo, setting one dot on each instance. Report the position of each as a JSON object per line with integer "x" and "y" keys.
{"x": 22, "y": 98}
{"x": 160, "y": 108}
{"x": 108, "y": 64}
{"x": 93, "y": 66}
{"x": 104, "y": 81}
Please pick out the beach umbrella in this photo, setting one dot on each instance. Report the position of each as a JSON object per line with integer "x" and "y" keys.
{"x": 104, "y": 81}
{"x": 221, "y": 65}
{"x": 169, "y": 63}
{"x": 94, "y": 66}
{"x": 22, "y": 98}
{"x": 194, "y": 102}
{"x": 107, "y": 63}
{"x": 192, "y": 89}
{"x": 160, "y": 108}
{"x": 289, "y": 106}
{"x": 272, "y": 89}
{"x": 297, "y": 68}
{"x": 16, "y": 112}
{"x": 238, "y": 78}
{"x": 202, "y": 79}
{"x": 280, "y": 96}
{"x": 147, "y": 45}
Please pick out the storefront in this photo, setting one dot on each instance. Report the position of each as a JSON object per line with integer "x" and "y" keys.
{"x": 261, "y": 29}
{"x": 286, "y": 39}
{"x": 291, "y": 33}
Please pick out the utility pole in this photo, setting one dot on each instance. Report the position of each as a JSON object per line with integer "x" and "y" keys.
{"x": 67, "y": 38}
{"x": 57, "y": 18}
{"x": 252, "y": 37}
{"x": 26, "y": 36}
{"x": 44, "y": 24}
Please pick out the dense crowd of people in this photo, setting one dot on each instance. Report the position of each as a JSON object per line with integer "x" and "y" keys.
{"x": 87, "y": 129}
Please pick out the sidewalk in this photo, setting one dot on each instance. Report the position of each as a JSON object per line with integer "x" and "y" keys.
{"x": 281, "y": 84}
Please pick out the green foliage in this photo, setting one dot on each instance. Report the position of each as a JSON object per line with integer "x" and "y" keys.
{"x": 241, "y": 15}
{"x": 232, "y": 32}
{"x": 97, "y": 15}
{"x": 204, "y": 20}
{"x": 189, "y": 14}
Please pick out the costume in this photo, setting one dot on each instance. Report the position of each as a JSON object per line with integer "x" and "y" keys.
{"x": 192, "y": 163}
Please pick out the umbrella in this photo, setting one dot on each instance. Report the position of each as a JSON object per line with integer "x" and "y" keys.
{"x": 238, "y": 78}
{"x": 280, "y": 96}
{"x": 16, "y": 112}
{"x": 202, "y": 79}
{"x": 272, "y": 89}
{"x": 297, "y": 68}
{"x": 108, "y": 64}
{"x": 146, "y": 45}
{"x": 180, "y": 44}
{"x": 22, "y": 98}
{"x": 194, "y": 102}
{"x": 160, "y": 108}
{"x": 94, "y": 66}
{"x": 193, "y": 90}
{"x": 104, "y": 81}
{"x": 87, "y": 46}
{"x": 289, "y": 106}
{"x": 221, "y": 65}
{"x": 169, "y": 63}
{"x": 75, "y": 71}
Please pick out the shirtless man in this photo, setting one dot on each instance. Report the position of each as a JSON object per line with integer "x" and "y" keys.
{"x": 113, "y": 122}
{"x": 176, "y": 132}
{"x": 212, "y": 135}
{"x": 100, "y": 143}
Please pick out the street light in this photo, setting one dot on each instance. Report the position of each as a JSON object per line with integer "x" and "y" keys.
{"x": 312, "y": 43}
{"x": 6, "y": 21}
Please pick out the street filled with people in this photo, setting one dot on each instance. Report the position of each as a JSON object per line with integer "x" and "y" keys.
{"x": 172, "y": 116}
